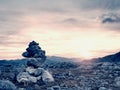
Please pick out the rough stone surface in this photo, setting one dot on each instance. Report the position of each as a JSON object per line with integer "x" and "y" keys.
{"x": 7, "y": 85}
{"x": 34, "y": 51}
{"x": 35, "y": 62}
{"x": 25, "y": 77}
{"x": 117, "y": 81}
{"x": 96, "y": 76}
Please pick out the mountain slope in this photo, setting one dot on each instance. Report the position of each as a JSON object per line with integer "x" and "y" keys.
{"x": 110, "y": 58}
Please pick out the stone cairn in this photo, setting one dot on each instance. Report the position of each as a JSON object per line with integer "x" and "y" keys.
{"x": 34, "y": 73}
{"x": 34, "y": 51}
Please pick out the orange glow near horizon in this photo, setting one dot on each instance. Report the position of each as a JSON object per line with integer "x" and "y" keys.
{"x": 86, "y": 40}
{"x": 63, "y": 43}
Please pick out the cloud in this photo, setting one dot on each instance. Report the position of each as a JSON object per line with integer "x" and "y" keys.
{"x": 49, "y": 20}
{"x": 12, "y": 41}
{"x": 110, "y": 18}
{"x": 69, "y": 22}
{"x": 97, "y": 4}
{"x": 36, "y": 6}
{"x": 10, "y": 22}
{"x": 59, "y": 5}
{"x": 110, "y": 21}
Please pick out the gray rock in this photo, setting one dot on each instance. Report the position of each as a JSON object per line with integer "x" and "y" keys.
{"x": 21, "y": 89}
{"x": 24, "y": 77}
{"x": 102, "y": 88}
{"x": 117, "y": 81}
{"x": 7, "y": 85}
{"x": 56, "y": 87}
{"x": 35, "y": 62}
{"x": 47, "y": 77}
{"x": 38, "y": 72}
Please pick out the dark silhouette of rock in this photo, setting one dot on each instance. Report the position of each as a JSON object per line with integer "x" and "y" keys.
{"x": 34, "y": 51}
{"x": 110, "y": 58}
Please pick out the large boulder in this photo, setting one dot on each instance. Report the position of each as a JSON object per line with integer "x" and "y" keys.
{"x": 34, "y": 75}
{"x": 117, "y": 81}
{"x": 7, "y": 85}
{"x": 47, "y": 77}
{"x": 24, "y": 77}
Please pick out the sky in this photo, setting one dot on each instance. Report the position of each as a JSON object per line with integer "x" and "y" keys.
{"x": 67, "y": 28}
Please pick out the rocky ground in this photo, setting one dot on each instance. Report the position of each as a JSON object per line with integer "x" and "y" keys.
{"x": 90, "y": 76}
{"x": 67, "y": 76}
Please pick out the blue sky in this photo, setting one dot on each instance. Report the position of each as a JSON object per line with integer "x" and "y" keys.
{"x": 69, "y": 28}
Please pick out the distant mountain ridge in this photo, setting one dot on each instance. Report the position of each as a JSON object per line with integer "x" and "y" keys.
{"x": 56, "y": 59}
{"x": 110, "y": 58}
{"x": 51, "y": 61}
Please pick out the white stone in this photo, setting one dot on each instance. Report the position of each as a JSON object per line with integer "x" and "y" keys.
{"x": 117, "y": 81}
{"x": 38, "y": 71}
{"x": 25, "y": 77}
{"x": 30, "y": 70}
{"x": 47, "y": 77}
{"x": 102, "y": 88}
